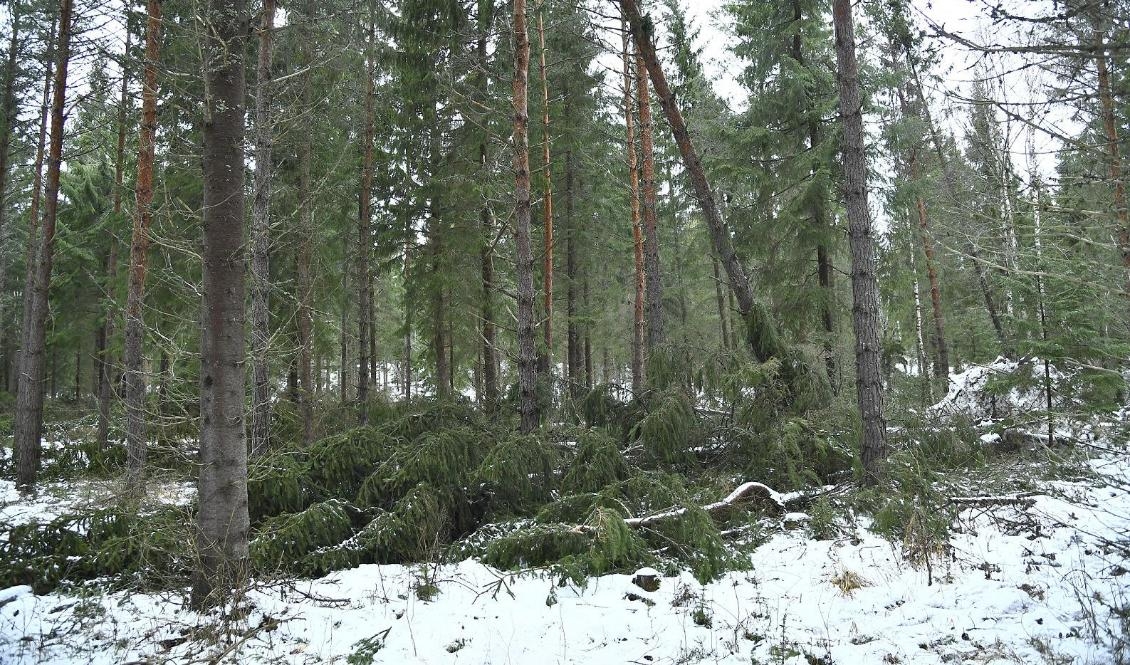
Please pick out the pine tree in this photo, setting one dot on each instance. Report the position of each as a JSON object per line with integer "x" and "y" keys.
{"x": 139, "y": 255}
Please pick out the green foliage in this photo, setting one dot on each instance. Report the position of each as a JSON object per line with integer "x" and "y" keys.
{"x": 283, "y": 540}
{"x": 793, "y": 454}
{"x": 762, "y": 334}
{"x": 277, "y": 483}
{"x": 914, "y": 507}
{"x": 138, "y": 549}
{"x": 413, "y": 530}
{"x": 337, "y": 465}
{"x": 670, "y": 429}
{"x": 598, "y": 463}
{"x": 600, "y": 408}
{"x": 517, "y": 474}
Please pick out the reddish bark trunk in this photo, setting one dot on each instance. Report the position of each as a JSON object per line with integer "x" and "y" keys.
{"x": 139, "y": 258}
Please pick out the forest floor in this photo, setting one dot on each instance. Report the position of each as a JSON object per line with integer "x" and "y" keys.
{"x": 1038, "y": 573}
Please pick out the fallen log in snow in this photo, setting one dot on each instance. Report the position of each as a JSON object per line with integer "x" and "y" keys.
{"x": 745, "y": 495}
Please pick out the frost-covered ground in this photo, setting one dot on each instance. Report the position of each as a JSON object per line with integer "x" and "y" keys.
{"x": 1023, "y": 584}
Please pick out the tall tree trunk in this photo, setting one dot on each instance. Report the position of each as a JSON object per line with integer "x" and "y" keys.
{"x": 527, "y": 360}
{"x": 305, "y": 254}
{"x": 1114, "y": 158}
{"x": 344, "y": 371}
{"x": 106, "y": 335}
{"x": 489, "y": 394}
{"x": 941, "y": 345}
{"x": 590, "y": 376}
{"x": 139, "y": 258}
{"x": 406, "y": 388}
{"x": 639, "y": 323}
{"x": 364, "y": 213}
{"x": 951, "y": 188}
{"x": 547, "y": 206}
{"x": 864, "y": 285}
{"x": 9, "y": 112}
{"x": 486, "y": 257}
{"x": 942, "y": 364}
{"x": 652, "y": 275}
{"x": 573, "y": 350}
{"x": 222, "y": 490}
{"x": 1041, "y": 294}
{"x": 720, "y": 236}
{"x": 439, "y": 311}
{"x": 920, "y": 339}
{"x": 261, "y": 241}
{"x": 723, "y": 319}
{"x": 28, "y": 423}
{"x": 31, "y": 248}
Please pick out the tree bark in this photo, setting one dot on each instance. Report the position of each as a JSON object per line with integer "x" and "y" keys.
{"x": 720, "y": 236}
{"x": 261, "y": 241}
{"x": 951, "y": 187}
{"x": 439, "y": 310}
{"x": 639, "y": 323}
{"x": 723, "y": 319}
{"x": 364, "y": 239}
{"x": 547, "y": 204}
{"x": 1114, "y": 158}
{"x": 139, "y": 258}
{"x": 32, "y": 246}
{"x": 344, "y": 371}
{"x": 941, "y": 363}
{"x": 106, "y": 335}
{"x": 864, "y": 285}
{"x": 527, "y": 360}
{"x": 222, "y": 519}
{"x": 652, "y": 275}
{"x": 590, "y": 377}
{"x": 28, "y": 422}
{"x": 489, "y": 378}
{"x": 305, "y": 255}
{"x": 486, "y": 258}
{"x": 10, "y": 116}
{"x": 573, "y": 350}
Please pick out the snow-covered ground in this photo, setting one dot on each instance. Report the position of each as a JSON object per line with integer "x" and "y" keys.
{"x": 1044, "y": 578}
{"x": 1022, "y": 584}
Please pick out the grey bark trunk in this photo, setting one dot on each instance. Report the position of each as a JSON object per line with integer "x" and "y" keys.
{"x": 364, "y": 240}
{"x": 652, "y": 276}
{"x": 103, "y": 388}
{"x": 527, "y": 360}
{"x": 305, "y": 257}
{"x": 10, "y": 116}
{"x": 573, "y": 351}
{"x": 222, "y": 518}
{"x": 864, "y": 285}
{"x": 27, "y": 427}
{"x": 639, "y": 321}
{"x": 261, "y": 241}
